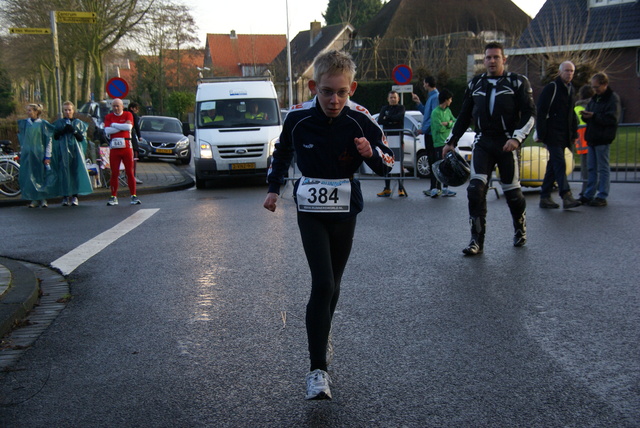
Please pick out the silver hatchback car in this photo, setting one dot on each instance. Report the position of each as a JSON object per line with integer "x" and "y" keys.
{"x": 415, "y": 154}
{"x": 163, "y": 138}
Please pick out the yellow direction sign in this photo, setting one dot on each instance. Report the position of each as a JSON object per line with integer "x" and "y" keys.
{"x": 76, "y": 17}
{"x": 16, "y": 30}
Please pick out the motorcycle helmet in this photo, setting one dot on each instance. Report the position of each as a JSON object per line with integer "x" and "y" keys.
{"x": 453, "y": 170}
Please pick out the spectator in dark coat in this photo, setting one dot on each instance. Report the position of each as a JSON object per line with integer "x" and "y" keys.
{"x": 391, "y": 117}
{"x": 557, "y": 128}
{"x": 602, "y": 115}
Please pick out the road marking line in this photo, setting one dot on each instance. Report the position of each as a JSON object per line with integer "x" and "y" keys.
{"x": 74, "y": 258}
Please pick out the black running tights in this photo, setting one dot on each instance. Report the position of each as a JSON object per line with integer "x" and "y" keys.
{"x": 327, "y": 245}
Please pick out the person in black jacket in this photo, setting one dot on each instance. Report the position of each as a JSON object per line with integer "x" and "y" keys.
{"x": 501, "y": 104}
{"x": 601, "y": 115}
{"x": 331, "y": 136}
{"x": 557, "y": 128}
{"x": 391, "y": 118}
{"x": 134, "y": 108}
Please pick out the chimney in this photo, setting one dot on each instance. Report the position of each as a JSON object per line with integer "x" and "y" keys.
{"x": 315, "y": 33}
{"x": 233, "y": 34}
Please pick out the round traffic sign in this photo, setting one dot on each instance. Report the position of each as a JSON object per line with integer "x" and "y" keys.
{"x": 402, "y": 74}
{"x": 117, "y": 87}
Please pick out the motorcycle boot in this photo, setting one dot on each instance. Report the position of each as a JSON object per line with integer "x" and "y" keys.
{"x": 518, "y": 207}
{"x": 478, "y": 229}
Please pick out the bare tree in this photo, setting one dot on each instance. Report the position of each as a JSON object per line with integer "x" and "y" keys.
{"x": 79, "y": 43}
{"x": 566, "y": 37}
{"x": 166, "y": 30}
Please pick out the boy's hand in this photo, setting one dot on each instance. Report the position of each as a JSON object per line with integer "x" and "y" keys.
{"x": 270, "y": 201}
{"x": 364, "y": 148}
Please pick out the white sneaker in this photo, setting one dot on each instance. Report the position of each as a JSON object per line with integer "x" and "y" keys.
{"x": 43, "y": 203}
{"x": 112, "y": 201}
{"x": 318, "y": 385}
{"x": 435, "y": 193}
{"x": 74, "y": 201}
{"x": 65, "y": 201}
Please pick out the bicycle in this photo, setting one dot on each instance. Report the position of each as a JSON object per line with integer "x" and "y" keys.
{"x": 9, "y": 170}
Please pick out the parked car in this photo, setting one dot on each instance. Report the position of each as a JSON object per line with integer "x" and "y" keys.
{"x": 162, "y": 138}
{"x": 415, "y": 154}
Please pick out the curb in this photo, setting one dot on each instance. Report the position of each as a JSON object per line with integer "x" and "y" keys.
{"x": 99, "y": 193}
{"x": 20, "y": 297}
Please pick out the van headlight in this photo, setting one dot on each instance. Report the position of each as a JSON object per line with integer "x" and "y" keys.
{"x": 272, "y": 145}
{"x": 205, "y": 151}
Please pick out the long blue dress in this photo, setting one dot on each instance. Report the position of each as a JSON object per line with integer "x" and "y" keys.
{"x": 35, "y": 143}
{"x": 68, "y": 158}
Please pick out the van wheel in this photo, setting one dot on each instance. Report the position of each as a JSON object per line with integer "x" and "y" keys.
{"x": 422, "y": 164}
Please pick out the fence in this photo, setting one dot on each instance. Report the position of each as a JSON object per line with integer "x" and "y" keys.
{"x": 624, "y": 160}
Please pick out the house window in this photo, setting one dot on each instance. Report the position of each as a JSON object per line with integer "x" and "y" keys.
{"x": 598, "y": 3}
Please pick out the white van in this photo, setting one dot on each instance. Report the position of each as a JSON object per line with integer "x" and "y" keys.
{"x": 237, "y": 123}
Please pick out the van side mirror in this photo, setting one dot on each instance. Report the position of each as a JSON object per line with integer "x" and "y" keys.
{"x": 186, "y": 129}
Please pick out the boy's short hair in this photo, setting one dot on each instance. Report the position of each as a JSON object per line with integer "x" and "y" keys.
{"x": 444, "y": 95}
{"x": 585, "y": 92}
{"x": 601, "y": 78}
{"x": 332, "y": 63}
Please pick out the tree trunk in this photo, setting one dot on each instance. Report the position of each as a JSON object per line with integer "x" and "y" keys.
{"x": 98, "y": 76}
{"x": 86, "y": 78}
{"x": 73, "y": 87}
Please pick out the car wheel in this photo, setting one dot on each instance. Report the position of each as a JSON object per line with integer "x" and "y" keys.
{"x": 186, "y": 160}
{"x": 422, "y": 164}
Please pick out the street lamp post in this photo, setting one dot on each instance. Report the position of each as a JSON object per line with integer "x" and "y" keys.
{"x": 290, "y": 75}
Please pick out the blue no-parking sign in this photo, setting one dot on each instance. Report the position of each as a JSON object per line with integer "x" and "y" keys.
{"x": 402, "y": 74}
{"x": 117, "y": 87}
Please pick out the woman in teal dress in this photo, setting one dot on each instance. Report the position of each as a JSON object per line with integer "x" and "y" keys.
{"x": 34, "y": 135}
{"x": 69, "y": 147}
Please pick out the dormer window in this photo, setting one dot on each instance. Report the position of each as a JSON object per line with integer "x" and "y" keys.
{"x": 599, "y": 3}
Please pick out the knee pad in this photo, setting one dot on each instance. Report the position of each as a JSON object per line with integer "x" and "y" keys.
{"x": 477, "y": 191}
{"x": 477, "y": 195}
{"x": 517, "y": 203}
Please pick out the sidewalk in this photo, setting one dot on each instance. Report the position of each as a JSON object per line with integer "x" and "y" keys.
{"x": 19, "y": 287}
{"x": 157, "y": 177}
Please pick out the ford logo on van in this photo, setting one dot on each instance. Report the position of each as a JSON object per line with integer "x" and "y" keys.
{"x": 241, "y": 151}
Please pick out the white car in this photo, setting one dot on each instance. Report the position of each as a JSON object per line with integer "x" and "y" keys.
{"x": 415, "y": 155}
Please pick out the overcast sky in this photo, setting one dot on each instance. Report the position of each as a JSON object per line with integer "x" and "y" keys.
{"x": 270, "y": 16}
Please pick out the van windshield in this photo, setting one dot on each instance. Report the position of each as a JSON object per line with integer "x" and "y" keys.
{"x": 237, "y": 113}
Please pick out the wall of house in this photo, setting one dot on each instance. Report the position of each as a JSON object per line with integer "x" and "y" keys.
{"x": 623, "y": 77}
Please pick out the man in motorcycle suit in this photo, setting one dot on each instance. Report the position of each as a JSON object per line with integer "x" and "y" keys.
{"x": 502, "y": 107}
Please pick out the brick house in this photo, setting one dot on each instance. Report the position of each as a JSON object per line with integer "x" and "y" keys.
{"x": 603, "y": 34}
{"x": 305, "y": 46}
{"x": 241, "y": 54}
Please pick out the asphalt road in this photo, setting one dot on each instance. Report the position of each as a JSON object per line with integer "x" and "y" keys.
{"x": 196, "y": 317}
